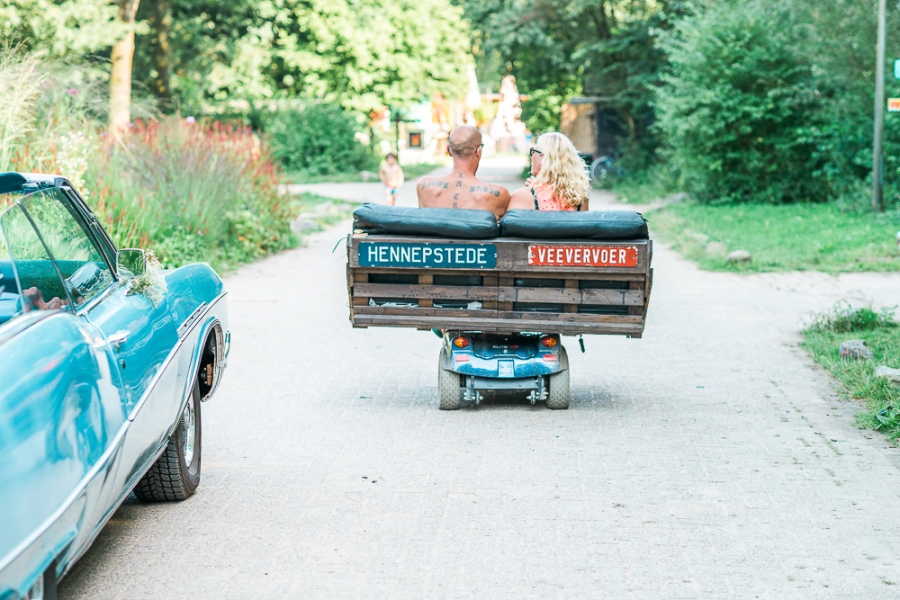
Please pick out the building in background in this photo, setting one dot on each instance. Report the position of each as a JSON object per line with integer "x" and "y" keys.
{"x": 592, "y": 126}
{"x": 419, "y": 134}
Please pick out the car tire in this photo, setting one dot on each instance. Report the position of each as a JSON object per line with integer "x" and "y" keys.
{"x": 176, "y": 473}
{"x": 448, "y": 385}
{"x": 600, "y": 168}
{"x": 558, "y": 395}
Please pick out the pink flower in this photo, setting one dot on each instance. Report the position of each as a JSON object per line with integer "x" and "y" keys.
{"x": 190, "y": 120}
{"x": 73, "y": 91}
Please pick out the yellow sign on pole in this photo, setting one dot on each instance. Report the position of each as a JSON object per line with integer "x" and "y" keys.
{"x": 893, "y": 104}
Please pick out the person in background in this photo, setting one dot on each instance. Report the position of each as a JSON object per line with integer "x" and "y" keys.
{"x": 392, "y": 177}
{"x": 461, "y": 188}
{"x": 559, "y": 180}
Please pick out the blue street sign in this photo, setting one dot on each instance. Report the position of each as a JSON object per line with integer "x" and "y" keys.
{"x": 434, "y": 256}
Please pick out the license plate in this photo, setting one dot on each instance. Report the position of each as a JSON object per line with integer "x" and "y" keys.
{"x": 582, "y": 256}
{"x": 435, "y": 256}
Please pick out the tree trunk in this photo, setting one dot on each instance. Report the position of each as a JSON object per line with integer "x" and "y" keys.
{"x": 120, "y": 77}
{"x": 162, "y": 53}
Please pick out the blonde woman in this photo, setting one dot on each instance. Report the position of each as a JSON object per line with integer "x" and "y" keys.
{"x": 559, "y": 177}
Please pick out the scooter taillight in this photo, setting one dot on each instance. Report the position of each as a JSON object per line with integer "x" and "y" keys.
{"x": 549, "y": 342}
{"x": 461, "y": 342}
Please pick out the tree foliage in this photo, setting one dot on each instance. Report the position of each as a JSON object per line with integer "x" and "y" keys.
{"x": 362, "y": 54}
{"x": 318, "y": 139}
{"x": 560, "y": 48}
{"x": 60, "y": 28}
{"x": 739, "y": 106}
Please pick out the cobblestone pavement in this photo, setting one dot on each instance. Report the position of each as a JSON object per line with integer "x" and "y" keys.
{"x": 710, "y": 459}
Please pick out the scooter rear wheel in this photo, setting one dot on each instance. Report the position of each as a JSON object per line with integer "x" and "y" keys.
{"x": 558, "y": 395}
{"x": 449, "y": 389}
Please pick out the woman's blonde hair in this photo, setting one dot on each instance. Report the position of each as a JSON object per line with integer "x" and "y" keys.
{"x": 562, "y": 169}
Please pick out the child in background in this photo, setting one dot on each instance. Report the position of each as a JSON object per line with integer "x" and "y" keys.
{"x": 392, "y": 177}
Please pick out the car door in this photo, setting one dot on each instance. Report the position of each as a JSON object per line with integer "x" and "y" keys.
{"x": 61, "y": 411}
{"x": 141, "y": 334}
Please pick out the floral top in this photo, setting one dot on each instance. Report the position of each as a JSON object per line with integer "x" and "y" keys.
{"x": 546, "y": 199}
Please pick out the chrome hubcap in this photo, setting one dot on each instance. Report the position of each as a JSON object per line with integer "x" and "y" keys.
{"x": 189, "y": 427}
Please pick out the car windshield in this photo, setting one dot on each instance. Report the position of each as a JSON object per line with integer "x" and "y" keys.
{"x": 47, "y": 259}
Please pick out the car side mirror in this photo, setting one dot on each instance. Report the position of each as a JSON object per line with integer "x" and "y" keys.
{"x": 131, "y": 262}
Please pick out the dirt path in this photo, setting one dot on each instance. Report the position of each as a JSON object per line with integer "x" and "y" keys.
{"x": 709, "y": 459}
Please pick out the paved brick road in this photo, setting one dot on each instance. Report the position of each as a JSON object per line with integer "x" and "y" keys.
{"x": 708, "y": 460}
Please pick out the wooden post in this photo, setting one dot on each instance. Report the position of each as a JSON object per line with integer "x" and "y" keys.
{"x": 878, "y": 158}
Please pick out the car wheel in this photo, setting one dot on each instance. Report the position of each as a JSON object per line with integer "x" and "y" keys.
{"x": 558, "y": 395}
{"x": 176, "y": 473}
{"x": 448, "y": 386}
{"x": 600, "y": 168}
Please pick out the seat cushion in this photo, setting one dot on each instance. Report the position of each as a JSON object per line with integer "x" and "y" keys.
{"x": 437, "y": 222}
{"x": 592, "y": 225}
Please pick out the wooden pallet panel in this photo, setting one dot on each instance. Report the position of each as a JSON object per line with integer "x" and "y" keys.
{"x": 499, "y": 293}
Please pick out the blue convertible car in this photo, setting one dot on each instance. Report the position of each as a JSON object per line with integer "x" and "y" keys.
{"x": 104, "y": 362}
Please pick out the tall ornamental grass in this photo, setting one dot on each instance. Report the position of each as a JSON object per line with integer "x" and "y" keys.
{"x": 190, "y": 190}
{"x": 21, "y": 87}
{"x": 193, "y": 189}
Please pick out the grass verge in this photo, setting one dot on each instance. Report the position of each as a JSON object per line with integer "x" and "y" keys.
{"x": 856, "y": 377}
{"x": 411, "y": 171}
{"x": 818, "y": 237}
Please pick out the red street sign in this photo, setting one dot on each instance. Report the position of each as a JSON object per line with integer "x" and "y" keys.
{"x": 893, "y": 104}
{"x": 582, "y": 256}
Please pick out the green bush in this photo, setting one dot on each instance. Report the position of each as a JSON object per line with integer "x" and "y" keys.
{"x": 739, "y": 106}
{"x": 319, "y": 139}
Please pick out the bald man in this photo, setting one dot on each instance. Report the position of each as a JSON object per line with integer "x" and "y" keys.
{"x": 461, "y": 189}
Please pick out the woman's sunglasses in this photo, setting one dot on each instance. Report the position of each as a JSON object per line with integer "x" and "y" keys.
{"x": 533, "y": 151}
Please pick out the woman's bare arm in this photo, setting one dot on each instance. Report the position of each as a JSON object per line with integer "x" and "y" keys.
{"x": 521, "y": 200}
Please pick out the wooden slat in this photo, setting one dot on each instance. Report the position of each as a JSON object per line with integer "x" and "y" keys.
{"x": 571, "y": 284}
{"x": 636, "y": 309}
{"x": 520, "y": 316}
{"x": 415, "y": 312}
{"x": 436, "y": 292}
{"x": 569, "y": 317}
{"x": 504, "y": 295}
{"x": 499, "y": 325}
{"x": 491, "y": 276}
{"x": 401, "y": 271}
{"x": 426, "y": 280}
{"x": 505, "y": 281}
{"x": 569, "y": 296}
